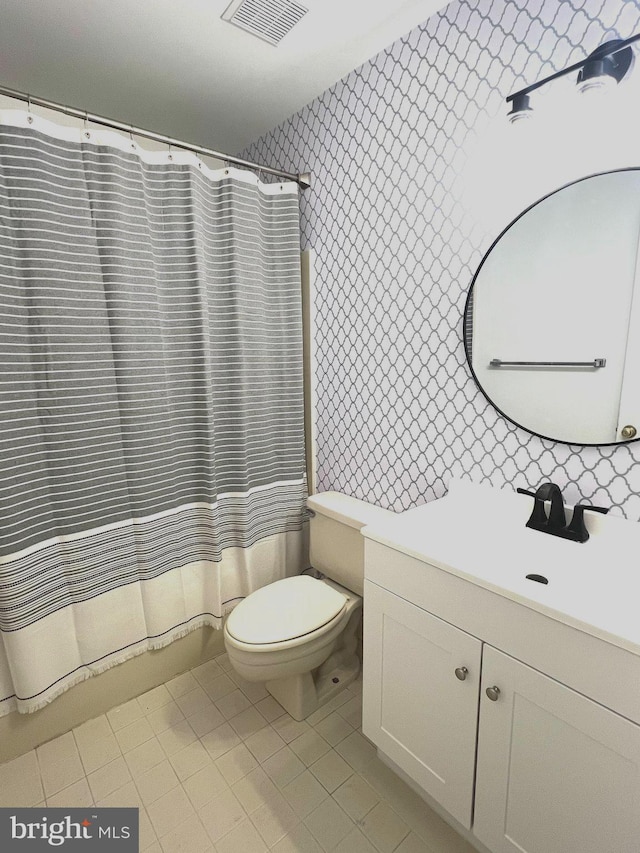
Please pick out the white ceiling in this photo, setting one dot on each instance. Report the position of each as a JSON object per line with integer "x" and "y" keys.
{"x": 174, "y": 67}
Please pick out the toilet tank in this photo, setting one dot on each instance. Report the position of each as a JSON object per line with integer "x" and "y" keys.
{"x": 336, "y": 546}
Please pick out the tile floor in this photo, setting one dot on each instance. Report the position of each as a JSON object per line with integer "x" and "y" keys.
{"x": 215, "y": 765}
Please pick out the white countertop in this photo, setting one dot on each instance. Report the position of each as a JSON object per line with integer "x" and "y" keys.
{"x": 479, "y": 533}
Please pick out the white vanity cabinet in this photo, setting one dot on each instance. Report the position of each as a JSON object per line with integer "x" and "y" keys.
{"x": 548, "y": 762}
{"x": 412, "y": 657}
{"x": 556, "y": 772}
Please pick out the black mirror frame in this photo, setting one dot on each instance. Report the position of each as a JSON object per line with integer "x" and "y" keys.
{"x": 470, "y": 295}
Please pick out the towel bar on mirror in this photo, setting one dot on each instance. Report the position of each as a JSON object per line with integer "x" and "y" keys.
{"x": 597, "y": 362}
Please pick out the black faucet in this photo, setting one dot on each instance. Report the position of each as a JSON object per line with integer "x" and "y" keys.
{"x": 555, "y": 523}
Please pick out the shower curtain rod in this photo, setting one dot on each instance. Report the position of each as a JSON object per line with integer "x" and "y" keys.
{"x": 303, "y": 179}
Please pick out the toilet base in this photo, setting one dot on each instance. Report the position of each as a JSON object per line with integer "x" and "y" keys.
{"x": 301, "y": 695}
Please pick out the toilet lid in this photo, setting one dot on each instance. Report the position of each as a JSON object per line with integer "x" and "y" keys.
{"x": 285, "y": 610}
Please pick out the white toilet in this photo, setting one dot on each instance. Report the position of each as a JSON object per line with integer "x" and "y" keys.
{"x": 300, "y": 634}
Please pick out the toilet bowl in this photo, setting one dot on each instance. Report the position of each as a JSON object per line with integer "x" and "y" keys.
{"x": 300, "y": 635}
{"x": 292, "y": 651}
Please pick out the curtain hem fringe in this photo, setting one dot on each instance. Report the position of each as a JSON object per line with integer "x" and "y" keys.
{"x": 29, "y": 706}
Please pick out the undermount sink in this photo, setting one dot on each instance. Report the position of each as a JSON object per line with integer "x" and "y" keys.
{"x": 479, "y": 533}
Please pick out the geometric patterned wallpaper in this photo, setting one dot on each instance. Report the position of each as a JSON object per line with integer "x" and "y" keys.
{"x": 395, "y": 251}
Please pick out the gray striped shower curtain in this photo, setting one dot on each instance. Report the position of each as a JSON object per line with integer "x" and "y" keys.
{"x": 151, "y": 410}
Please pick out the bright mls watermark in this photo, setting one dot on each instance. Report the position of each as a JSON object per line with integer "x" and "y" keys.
{"x": 71, "y": 830}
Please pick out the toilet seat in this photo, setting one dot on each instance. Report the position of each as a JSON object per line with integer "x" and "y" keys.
{"x": 303, "y": 606}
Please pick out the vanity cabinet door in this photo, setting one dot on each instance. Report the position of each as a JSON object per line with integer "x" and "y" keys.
{"x": 416, "y": 709}
{"x": 557, "y": 773}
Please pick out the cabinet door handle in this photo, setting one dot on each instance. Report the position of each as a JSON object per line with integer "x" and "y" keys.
{"x": 461, "y": 673}
{"x": 493, "y": 693}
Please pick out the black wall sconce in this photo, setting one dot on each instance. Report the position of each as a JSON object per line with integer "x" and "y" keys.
{"x": 608, "y": 62}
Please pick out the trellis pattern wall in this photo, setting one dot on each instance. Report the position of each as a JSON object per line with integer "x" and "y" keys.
{"x": 395, "y": 251}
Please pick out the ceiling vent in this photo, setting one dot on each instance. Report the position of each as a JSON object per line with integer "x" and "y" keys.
{"x": 270, "y": 20}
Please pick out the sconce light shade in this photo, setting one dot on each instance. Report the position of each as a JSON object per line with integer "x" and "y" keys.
{"x": 520, "y": 108}
{"x": 602, "y": 68}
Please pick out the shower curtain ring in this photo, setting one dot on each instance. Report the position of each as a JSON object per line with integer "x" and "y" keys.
{"x": 29, "y": 116}
{"x": 85, "y": 122}
{"x": 170, "y": 155}
{"x": 133, "y": 142}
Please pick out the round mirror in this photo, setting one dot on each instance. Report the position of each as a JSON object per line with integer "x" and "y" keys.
{"x": 552, "y": 319}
